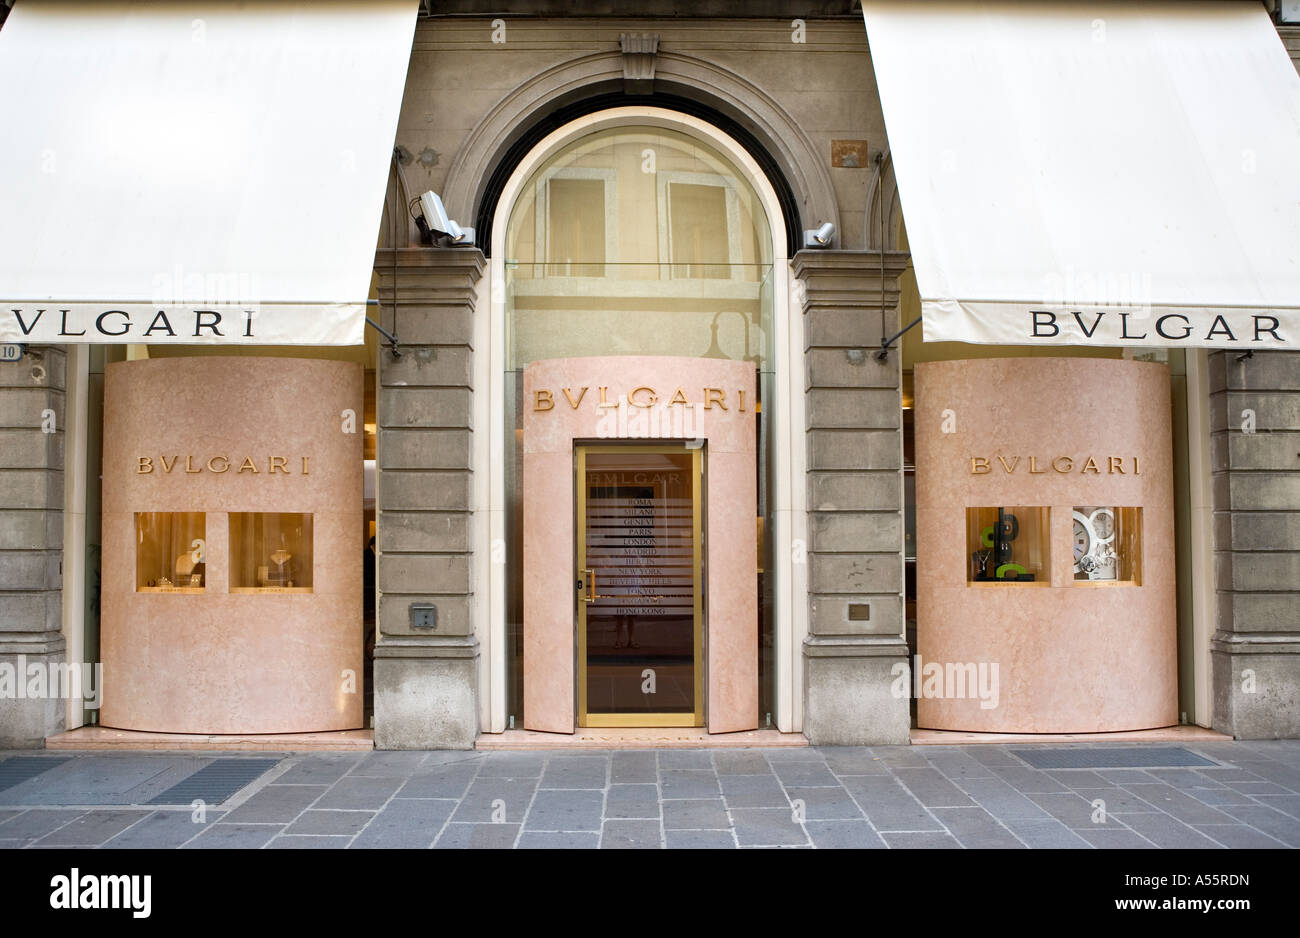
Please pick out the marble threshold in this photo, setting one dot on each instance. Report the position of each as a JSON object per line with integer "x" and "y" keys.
{"x": 1166, "y": 734}
{"x": 104, "y": 737}
{"x": 639, "y": 738}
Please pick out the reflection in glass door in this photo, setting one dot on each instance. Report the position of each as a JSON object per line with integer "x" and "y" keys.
{"x": 639, "y": 580}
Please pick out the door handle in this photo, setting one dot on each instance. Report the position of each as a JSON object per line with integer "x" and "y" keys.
{"x": 590, "y": 576}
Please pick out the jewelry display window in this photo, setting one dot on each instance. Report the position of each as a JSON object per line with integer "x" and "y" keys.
{"x": 1107, "y": 545}
{"x": 170, "y": 551}
{"x": 270, "y": 552}
{"x": 1008, "y": 546}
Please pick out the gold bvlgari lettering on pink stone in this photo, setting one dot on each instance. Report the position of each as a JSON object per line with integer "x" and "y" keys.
{"x": 983, "y": 465}
{"x": 641, "y": 396}
{"x": 215, "y": 464}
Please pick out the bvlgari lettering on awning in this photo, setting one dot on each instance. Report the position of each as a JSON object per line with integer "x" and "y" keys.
{"x": 1029, "y": 224}
{"x": 1100, "y": 326}
{"x": 199, "y": 207}
{"x": 116, "y": 323}
{"x": 643, "y": 396}
{"x": 1090, "y": 465}
{"x": 270, "y": 465}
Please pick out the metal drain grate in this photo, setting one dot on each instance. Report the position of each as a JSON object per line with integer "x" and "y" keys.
{"x": 216, "y": 782}
{"x": 19, "y": 769}
{"x": 1131, "y": 757}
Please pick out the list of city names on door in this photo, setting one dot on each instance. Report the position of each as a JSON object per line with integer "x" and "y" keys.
{"x": 643, "y": 553}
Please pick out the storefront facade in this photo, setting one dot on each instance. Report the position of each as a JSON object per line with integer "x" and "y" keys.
{"x": 636, "y": 459}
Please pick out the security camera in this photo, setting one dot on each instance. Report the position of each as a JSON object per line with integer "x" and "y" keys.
{"x": 434, "y": 223}
{"x": 821, "y": 238}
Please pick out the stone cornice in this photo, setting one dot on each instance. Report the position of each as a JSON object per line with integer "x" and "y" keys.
{"x": 434, "y": 276}
{"x": 849, "y": 278}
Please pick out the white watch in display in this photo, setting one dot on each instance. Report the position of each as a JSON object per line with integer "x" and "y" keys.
{"x": 1094, "y": 535}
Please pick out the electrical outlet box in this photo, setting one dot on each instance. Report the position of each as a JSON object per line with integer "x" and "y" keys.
{"x": 424, "y": 616}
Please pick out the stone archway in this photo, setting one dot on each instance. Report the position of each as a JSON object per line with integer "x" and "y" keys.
{"x": 731, "y": 97}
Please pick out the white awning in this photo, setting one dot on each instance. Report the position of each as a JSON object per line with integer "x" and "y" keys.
{"x": 1095, "y": 173}
{"x": 195, "y": 172}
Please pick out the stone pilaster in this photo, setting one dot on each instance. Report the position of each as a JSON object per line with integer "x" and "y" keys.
{"x": 855, "y": 499}
{"x": 31, "y": 538}
{"x": 1255, "y": 454}
{"x": 426, "y": 686}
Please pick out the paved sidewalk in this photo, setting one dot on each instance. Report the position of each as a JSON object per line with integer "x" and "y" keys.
{"x": 902, "y": 796}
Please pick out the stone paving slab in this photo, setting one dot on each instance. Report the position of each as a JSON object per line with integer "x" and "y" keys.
{"x": 104, "y": 779}
{"x": 164, "y": 830}
{"x": 900, "y": 797}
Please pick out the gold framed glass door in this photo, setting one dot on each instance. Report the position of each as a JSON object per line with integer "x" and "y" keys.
{"x": 640, "y": 578}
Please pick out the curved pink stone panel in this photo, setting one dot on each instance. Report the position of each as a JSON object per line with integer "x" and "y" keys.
{"x": 1070, "y": 658}
{"x": 217, "y": 662}
{"x": 731, "y": 562}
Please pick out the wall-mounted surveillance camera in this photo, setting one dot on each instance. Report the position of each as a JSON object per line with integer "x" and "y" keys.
{"x": 435, "y": 225}
{"x": 821, "y": 238}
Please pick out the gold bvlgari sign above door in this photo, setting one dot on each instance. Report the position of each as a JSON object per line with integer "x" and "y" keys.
{"x": 544, "y": 399}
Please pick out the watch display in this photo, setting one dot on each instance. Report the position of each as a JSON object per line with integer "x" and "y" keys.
{"x": 1107, "y": 543}
{"x": 1008, "y": 545}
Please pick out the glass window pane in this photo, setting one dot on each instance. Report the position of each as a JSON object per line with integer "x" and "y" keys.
{"x": 170, "y": 552}
{"x": 575, "y": 241}
{"x": 638, "y": 241}
{"x": 672, "y": 255}
{"x": 1107, "y": 544}
{"x": 1008, "y": 545}
{"x": 698, "y": 220}
{"x": 641, "y": 559}
{"x": 270, "y": 552}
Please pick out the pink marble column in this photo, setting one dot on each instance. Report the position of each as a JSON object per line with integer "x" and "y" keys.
{"x": 731, "y": 563}
{"x": 1071, "y": 656}
{"x": 218, "y": 662}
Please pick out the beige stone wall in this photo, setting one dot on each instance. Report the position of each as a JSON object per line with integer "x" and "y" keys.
{"x": 458, "y": 76}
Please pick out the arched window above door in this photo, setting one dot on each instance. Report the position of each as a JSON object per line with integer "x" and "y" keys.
{"x": 638, "y": 239}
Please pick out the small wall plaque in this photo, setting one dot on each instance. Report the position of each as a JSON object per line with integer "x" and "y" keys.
{"x": 424, "y": 616}
{"x": 849, "y": 154}
{"x": 859, "y": 612}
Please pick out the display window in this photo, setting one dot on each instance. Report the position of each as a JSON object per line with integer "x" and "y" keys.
{"x": 170, "y": 551}
{"x": 270, "y": 552}
{"x": 1008, "y": 546}
{"x": 1107, "y": 545}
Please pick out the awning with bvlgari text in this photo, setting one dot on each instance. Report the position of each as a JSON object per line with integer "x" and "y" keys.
{"x": 195, "y": 172}
{"x": 1095, "y": 173}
